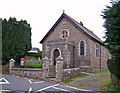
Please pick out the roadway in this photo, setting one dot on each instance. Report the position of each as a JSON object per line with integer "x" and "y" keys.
{"x": 16, "y": 84}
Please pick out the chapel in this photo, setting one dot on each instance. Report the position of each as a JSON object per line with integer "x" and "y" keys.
{"x": 76, "y": 44}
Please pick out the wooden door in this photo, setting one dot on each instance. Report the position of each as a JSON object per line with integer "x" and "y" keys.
{"x": 56, "y": 54}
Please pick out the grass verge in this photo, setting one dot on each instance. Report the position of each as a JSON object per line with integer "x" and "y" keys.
{"x": 5, "y": 69}
{"x": 82, "y": 85}
{"x": 99, "y": 72}
{"x": 104, "y": 85}
{"x": 70, "y": 80}
{"x": 108, "y": 86}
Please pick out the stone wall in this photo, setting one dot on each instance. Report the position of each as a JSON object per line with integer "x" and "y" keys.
{"x": 27, "y": 72}
{"x": 68, "y": 73}
{"x": 65, "y": 73}
{"x": 92, "y": 68}
{"x": 61, "y": 74}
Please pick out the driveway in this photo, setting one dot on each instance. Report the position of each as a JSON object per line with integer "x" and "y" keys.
{"x": 91, "y": 82}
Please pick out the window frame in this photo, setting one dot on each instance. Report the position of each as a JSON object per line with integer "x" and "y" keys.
{"x": 97, "y": 50}
{"x": 79, "y": 48}
{"x": 82, "y": 48}
{"x": 67, "y": 35}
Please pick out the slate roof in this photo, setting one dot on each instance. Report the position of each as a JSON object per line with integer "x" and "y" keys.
{"x": 86, "y": 31}
{"x": 34, "y": 49}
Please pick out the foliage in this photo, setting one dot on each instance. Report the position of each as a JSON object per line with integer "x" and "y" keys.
{"x": 112, "y": 25}
{"x": 0, "y": 43}
{"x": 39, "y": 54}
{"x": 5, "y": 69}
{"x": 114, "y": 1}
{"x": 108, "y": 86}
{"x": 114, "y": 66}
{"x": 114, "y": 80}
{"x": 16, "y": 39}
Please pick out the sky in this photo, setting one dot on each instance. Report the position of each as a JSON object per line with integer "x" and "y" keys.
{"x": 42, "y": 14}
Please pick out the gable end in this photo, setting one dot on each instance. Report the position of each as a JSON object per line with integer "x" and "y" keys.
{"x": 77, "y": 25}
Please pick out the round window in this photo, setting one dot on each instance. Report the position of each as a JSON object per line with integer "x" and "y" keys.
{"x": 64, "y": 34}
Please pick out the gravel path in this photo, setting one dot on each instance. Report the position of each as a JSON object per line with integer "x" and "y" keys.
{"x": 91, "y": 82}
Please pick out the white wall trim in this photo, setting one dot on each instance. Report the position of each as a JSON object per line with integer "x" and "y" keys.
{"x": 51, "y": 57}
{"x": 84, "y": 48}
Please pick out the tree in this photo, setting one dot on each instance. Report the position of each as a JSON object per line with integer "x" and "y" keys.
{"x": 16, "y": 39}
{"x": 115, "y": 0}
{"x": 112, "y": 25}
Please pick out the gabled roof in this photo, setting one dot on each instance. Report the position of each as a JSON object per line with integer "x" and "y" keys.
{"x": 84, "y": 30}
{"x": 34, "y": 49}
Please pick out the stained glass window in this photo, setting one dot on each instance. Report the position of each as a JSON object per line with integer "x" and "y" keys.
{"x": 64, "y": 34}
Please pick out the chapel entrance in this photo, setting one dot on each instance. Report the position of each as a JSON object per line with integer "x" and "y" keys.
{"x": 52, "y": 69}
{"x": 56, "y": 53}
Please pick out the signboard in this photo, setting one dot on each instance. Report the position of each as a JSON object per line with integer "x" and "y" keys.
{"x": 22, "y": 61}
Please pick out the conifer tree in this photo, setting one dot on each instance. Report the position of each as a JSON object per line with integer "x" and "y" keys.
{"x": 16, "y": 39}
{"x": 112, "y": 25}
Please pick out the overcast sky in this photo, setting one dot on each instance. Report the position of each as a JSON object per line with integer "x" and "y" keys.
{"x": 42, "y": 14}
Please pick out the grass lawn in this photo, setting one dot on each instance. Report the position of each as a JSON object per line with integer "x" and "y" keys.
{"x": 4, "y": 69}
{"x": 33, "y": 64}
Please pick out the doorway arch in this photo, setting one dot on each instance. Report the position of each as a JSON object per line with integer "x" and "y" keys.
{"x": 56, "y": 54}
{"x": 52, "y": 55}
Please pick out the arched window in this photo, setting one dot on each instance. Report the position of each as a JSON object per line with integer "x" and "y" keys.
{"x": 82, "y": 48}
{"x": 97, "y": 50}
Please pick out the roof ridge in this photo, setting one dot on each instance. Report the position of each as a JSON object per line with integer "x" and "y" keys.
{"x": 71, "y": 18}
{"x": 82, "y": 26}
{"x": 77, "y": 22}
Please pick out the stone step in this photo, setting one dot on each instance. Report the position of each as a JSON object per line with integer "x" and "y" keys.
{"x": 52, "y": 69}
{"x": 52, "y": 72}
{"x": 52, "y": 75}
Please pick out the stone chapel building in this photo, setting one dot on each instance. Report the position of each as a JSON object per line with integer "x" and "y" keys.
{"x": 77, "y": 45}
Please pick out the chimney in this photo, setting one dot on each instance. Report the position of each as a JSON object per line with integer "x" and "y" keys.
{"x": 81, "y": 23}
{"x": 63, "y": 11}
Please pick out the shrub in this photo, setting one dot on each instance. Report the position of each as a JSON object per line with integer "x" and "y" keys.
{"x": 39, "y": 54}
{"x": 114, "y": 68}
